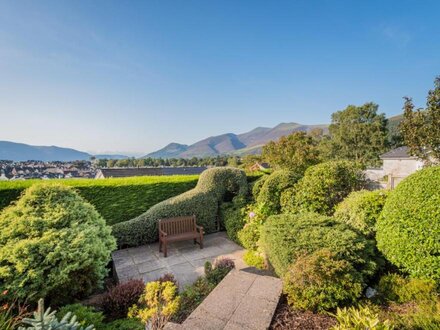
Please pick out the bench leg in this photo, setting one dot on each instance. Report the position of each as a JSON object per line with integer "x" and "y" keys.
{"x": 201, "y": 241}
{"x": 195, "y": 241}
{"x": 165, "y": 249}
{"x": 160, "y": 246}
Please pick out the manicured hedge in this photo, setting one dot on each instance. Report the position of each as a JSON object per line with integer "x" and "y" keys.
{"x": 408, "y": 230}
{"x": 203, "y": 201}
{"x": 116, "y": 199}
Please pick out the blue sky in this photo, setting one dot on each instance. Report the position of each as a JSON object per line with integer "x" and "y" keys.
{"x": 132, "y": 76}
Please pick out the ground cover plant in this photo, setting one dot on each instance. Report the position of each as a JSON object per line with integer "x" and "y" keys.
{"x": 203, "y": 201}
{"x": 116, "y": 199}
{"x": 53, "y": 244}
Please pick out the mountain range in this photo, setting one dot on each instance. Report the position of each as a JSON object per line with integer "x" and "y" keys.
{"x": 247, "y": 143}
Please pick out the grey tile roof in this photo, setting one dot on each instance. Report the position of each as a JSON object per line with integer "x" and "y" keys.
{"x": 401, "y": 152}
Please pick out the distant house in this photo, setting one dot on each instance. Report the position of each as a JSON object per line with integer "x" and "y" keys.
{"x": 259, "y": 167}
{"x": 146, "y": 171}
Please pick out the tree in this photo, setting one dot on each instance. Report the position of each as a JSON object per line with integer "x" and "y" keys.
{"x": 295, "y": 152}
{"x": 421, "y": 128}
{"x": 359, "y": 133}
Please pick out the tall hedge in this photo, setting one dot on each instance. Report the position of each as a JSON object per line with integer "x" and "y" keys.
{"x": 203, "y": 201}
{"x": 324, "y": 186}
{"x": 52, "y": 244}
{"x": 285, "y": 237}
{"x": 408, "y": 230}
{"x": 116, "y": 199}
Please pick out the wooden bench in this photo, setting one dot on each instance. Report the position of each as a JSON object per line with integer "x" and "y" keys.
{"x": 179, "y": 229}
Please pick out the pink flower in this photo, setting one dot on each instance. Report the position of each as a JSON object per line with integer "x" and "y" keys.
{"x": 251, "y": 215}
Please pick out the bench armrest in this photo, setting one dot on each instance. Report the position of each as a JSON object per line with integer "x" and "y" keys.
{"x": 199, "y": 228}
{"x": 162, "y": 233}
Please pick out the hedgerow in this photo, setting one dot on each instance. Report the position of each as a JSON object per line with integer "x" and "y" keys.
{"x": 408, "y": 230}
{"x": 53, "y": 244}
{"x": 203, "y": 201}
{"x": 116, "y": 199}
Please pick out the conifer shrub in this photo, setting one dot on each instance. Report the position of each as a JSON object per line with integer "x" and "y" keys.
{"x": 322, "y": 281}
{"x": 408, "y": 230}
{"x": 361, "y": 209}
{"x": 53, "y": 244}
{"x": 203, "y": 201}
{"x": 286, "y": 237}
{"x": 324, "y": 186}
{"x": 270, "y": 193}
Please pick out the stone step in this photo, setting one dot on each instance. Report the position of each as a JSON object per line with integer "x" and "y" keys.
{"x": 242, "y": 300}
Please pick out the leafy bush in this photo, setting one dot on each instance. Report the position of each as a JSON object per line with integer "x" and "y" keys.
{"x": 270, "y": 192}
{"x": 322, "y": 281}
{"x": 124, "y": 324}
{"x": 324, "y": 186}
{"x": 408, "y": 230}
{"x": 84, "y": 315}
{"x": 11, "y": 312}
{"x": 233, "y": 217}
{"x": 359, "y": 318}
{"x": 116, "y": 199}
{"x": 257, "y": 185}
{"x": 215, "y": 273}
{"x": 396, "y": 288}
{"x": 361, "y": 209}
{"x": 169, "y": 277}
{"x": 286, "y": 237}
{"x": 249, "y": 235}
{"x": 203, "y": 201}
{"x": 159, "y": 302}
{"x": 117, "y": 300}
{"x": 254, "y": 259}
{"x": 423, "y": 316}
{"x": 53, "y": 244}
{"x": 47, "y": 320}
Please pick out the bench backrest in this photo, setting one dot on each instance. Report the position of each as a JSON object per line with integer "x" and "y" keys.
{"x": 178, "y": 225}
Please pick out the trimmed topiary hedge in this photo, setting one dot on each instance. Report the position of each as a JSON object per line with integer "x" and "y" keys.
{"x": 324, "y": 186}
{"x": 361, "y": 209}
{"x": 53, "y": 244}
{"x": 116, "y": 199}
{"x": 203, "y": 201}
{"x": 285, "y": 237}
{"x": 408, "y": 230}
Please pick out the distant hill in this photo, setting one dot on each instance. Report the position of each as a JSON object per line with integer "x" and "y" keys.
{"x": 240, "y": 144}
{"x": 23, "y": 152}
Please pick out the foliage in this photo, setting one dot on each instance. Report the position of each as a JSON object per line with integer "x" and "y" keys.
{"x": 324, "y": 186}
{"x": 294, "y": 152}
{"x": 286, "y": 237}
{"x": 359, "y": 133}
{"x": 408, "y": 230}
{"x": 124, "y": 324}
{"x": 422, "y": 316}
{"x": 421, "y": 128}
{"x": 258, "y": 185}
{"x": 191, "y": 297}
{"x": 322, "y": 281}
{"x": 118, "y": 299}
{"x": 160, "y": 301}
{"x": 84, "y": 315}
{"x": 11, "y": 312}
{"x": 169, "y": 277}
{"x": 274, "y": 185}
{"x": 216, "y": 272}
{"x": 53, "y": 244}
{"x": 361, "y": 209}
{"x": 116, "y": 199}
{"x": 233, "y": 217}
{"x": 202, "y": 201}
{"x": 360, "y": 318}
{"x": 254, "y": 259}
{"x": 47, "y": 320}
{"x": 249, "y": 235}
{"x": 393, "y": 287}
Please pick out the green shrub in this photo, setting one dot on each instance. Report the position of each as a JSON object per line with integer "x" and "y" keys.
{"x": 53, "y": 244}
{"x": 124, "y": 324}
{"x": 270, "y": 192}
{"x": 322, "y": 281}
{"x": 202, "y": 201}
{"x": 215, "y": 273}
{"x": 324, "y": 186}
{"x": 233, "y": 216}
{"x": 286, "y": 237}
{"x": 408, "y": 230}
{"x": 257, "y": 185}
{"x": 254, "y": 259}
{"x": 287, "y": 200}
{"x": 360, "y": 318}
{"x": 361, "y": 209}
{"x": 84, "y": 315}
{"x": 398, "y": 289}
{"x": 116, "y": 199}
{"x": 423, "y": 316}
{"x": 249, "y": 235}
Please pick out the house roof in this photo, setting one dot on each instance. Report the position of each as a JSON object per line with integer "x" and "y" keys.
{"x": 148, "y": 171}
{"x": 398, "y": 153}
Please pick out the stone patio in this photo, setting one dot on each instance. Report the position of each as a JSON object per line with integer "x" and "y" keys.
{"x": 185, "y": 260}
